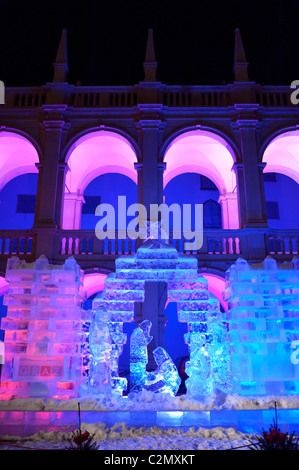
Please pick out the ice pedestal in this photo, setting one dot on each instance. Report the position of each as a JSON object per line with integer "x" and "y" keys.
{"x": 43, "y": 329}
{"x": 263, "y": 319}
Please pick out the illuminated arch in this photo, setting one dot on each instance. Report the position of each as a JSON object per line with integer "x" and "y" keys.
{"x": 18, "y": 156}
{"x": 216, "y": 285}
{"x": 282, "y": 155}
{"x": 97, "y": 153}
{"x": 93, "y": 154}
{"x": 207, "y": 153}
{"x": 3, "y": 286}
{"x": 93, "y": 283}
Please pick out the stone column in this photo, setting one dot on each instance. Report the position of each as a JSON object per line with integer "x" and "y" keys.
{"x": 150, "y": 172}
{"x": 249, "y": 176}
{"x": 230, "y": 211}
{"x": 72, "y": 211}
{"x": 51, "y": 177}
{"x": 238, "y": 168}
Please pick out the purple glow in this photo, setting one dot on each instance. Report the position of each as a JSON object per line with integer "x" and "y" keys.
{"x": 210, "y": 155}
{"x": 17, "y": 157}
{"x": 93, "y": 155}
{"x": 201, "y": 152}
{"x": 93, "y": 283}
{"x": 3, "y": 286}
{"x": 282, "y": 155}
{"x": 216, "y": 286}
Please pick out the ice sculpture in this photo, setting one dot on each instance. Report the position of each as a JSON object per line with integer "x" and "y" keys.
{"x": 263, "y": 322}
{"x": 140, "y": 338}
{"x": 43, "y": 329}
{"x": 157, "y": 261}
{"x": 100, "y": 345}
{"x": 165, "y": 379}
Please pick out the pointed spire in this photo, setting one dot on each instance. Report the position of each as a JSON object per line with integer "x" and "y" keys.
{"x": 61, "y": 64}
{"x": 150, "y": 64}
{"x": 240, "y": 62}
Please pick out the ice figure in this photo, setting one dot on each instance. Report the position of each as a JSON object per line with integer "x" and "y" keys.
{"x": 43, "y": 329}
{"x": 220, "y": 352}
{"x": 165, "y": 379}
{"x": 140, "y": 338}
{"x": 106, "y": 340}
{"x": 263, "y": 301}
{"x": 100, "y": 348}
{"x": 200, "y": 383}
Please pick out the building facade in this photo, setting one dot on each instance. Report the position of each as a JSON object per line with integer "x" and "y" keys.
{"x": 64, "y": 148}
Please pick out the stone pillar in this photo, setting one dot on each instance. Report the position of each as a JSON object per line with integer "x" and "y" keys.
{"x": 230, "y": 211}
{"x": 250, "y": 178}
{"x": 60, "y": 192}
{"x": 150, "y": 171}
{"x": 51, "y": 177}
{"x": 238, "y": 168}
{"x": 50, "y": 187}
{"x": 72, "y": 211}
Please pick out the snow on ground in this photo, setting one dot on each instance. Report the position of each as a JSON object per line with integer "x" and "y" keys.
{"x": 148, "y": 401}
{"x": 121, "y": 437}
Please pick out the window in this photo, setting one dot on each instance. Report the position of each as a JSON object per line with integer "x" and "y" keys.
{"x": 212, "y": 214}
{"x": 25, "y": 204}
{"x": 272, "y": 210}
{"x": 207, "y": 184}
{"x": 91, "y": 202}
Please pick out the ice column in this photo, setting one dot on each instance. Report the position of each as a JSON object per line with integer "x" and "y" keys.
{"x": 263, "y": 321}
{"x": 43, "y": 329}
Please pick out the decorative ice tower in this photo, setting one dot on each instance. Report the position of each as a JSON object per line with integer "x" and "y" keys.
{"x": 43, "y": 329}
{"x": 263, "y": 315}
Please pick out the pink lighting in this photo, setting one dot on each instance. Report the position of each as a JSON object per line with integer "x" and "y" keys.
{"x": 3, "y": 286}
{"x": 282, "y": 155}
{"x": 17, "y": 157}
{"x": 93, "y": 283}
{"x": 201, "y": 152}
{"x": 208, "y": 154}
{"x": 92, "y": 155}
{"x": 216, "y": 286}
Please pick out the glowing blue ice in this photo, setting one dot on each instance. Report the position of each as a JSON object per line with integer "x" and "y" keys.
{"x": 263, "y": 322}
{"x": 165, "y": 379}
{"x": 209, "y": 368}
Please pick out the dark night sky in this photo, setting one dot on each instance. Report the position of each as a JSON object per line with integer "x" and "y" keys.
{"x": 194, "y": 40}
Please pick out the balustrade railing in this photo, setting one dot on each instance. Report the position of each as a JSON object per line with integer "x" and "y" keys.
{"x": 84, "y": 245}
{"x": 171, "y": 96}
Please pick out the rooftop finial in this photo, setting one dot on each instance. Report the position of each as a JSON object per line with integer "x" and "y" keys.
{"x": 240, "y": 62}
{"x": 61, "y": 63}
{"x": 150, "y": 64}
